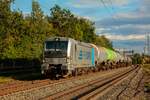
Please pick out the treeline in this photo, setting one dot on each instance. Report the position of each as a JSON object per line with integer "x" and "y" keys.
{"x": 22, "y": 36}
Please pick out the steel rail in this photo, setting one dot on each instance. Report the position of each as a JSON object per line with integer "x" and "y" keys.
{"x": 84, "y": 89}
{"x": 26, "y": 85}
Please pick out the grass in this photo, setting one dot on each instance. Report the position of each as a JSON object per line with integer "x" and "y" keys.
{"x": 29, "y": 76}
{"x": 4, "y": 79}
{"x": 146, "y": 68}
{"x": 23, "y": 76}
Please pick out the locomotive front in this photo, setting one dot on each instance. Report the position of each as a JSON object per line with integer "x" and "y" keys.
{"x": 55, "y": 57}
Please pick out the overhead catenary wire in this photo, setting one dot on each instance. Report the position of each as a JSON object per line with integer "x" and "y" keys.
{"x": 113, "y": 9}
{"x": 108, "y": 10}
{"x": 111, "y": 4}
{"x": 111, "y": 12}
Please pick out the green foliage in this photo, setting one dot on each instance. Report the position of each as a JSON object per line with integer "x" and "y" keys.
{"x": 146, "y": 59}
{"x": 104, "y": 42}
{"x": 23, "y": 37}
{"x": 69, "y": 25}
{"x": 137, "y": 59}
{"x": 36, "y": 14}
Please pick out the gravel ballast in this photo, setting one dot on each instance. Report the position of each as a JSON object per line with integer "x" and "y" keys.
{"x": 126, "y": 89}
{"x": 43, "y": 91}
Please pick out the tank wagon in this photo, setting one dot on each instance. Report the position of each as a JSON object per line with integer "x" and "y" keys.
{"x": 64, "y": 56}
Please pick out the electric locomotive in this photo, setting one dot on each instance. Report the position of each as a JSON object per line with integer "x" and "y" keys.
{"x": 65, "y": 56}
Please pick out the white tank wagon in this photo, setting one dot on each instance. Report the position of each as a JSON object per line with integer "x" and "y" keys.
{"x": 64, "y": 56}
{"x": 106, "y": 58}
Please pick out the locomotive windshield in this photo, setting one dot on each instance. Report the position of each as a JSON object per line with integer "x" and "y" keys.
{"x": 56, "y": 49}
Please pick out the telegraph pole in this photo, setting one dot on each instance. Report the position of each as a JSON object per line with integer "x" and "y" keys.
{"x": 147, "y": 44}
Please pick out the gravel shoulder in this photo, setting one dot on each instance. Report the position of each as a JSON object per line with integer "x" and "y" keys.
{"x": 143, "y": 91}
{"x": 146, "y": 71}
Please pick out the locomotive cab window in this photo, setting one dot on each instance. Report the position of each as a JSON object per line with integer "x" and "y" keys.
{"x": 56, "y": 48}
{"x": 56, "y": 45}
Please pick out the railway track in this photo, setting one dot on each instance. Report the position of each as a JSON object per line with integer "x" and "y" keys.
{"x": 18, "y": 86}
{"x": 138, "y": 88}
{"x": 96, "y": 93}
{"x": 91, "y": 89}
{"x": 26, "y": 85}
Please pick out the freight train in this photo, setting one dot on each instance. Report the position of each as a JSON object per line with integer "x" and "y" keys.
{"x": 64, "y": 57}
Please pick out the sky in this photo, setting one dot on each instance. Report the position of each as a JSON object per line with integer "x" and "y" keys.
{"x": 124, "y": 22}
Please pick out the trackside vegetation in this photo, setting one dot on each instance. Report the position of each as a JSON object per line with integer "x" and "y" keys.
{"x": 22, "y": 35}
{"x": 146, "y": 68}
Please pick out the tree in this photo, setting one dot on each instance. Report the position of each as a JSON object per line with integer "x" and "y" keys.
{"x": 61, "y": 20}
{"x": 23, "y": 37}
{"x": 88, "y": 29}
{"x": 37, "y": 13}
{"x": 137, "y": 59}
{"x": 6, "y": 30}
{"x": 104, "y": 42}
{"x": 69, "y": 25}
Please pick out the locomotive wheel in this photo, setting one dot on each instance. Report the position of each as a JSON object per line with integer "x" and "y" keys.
{"x": 57, "y": 77}
{"x": 75, "y": 73}
{"x": 86, "y": 71}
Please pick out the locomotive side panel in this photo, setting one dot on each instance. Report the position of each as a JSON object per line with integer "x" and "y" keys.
{"x": 84, "y": 55}
{"x": 96, "y": 54}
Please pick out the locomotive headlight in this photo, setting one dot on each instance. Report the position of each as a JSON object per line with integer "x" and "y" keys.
{"x": 56, "y": 39}
{"x": 42, "y": 72}
{"x": 43, "y": 60}
{"x": 44, "y": 66}
{"x": 68, "y": 58}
